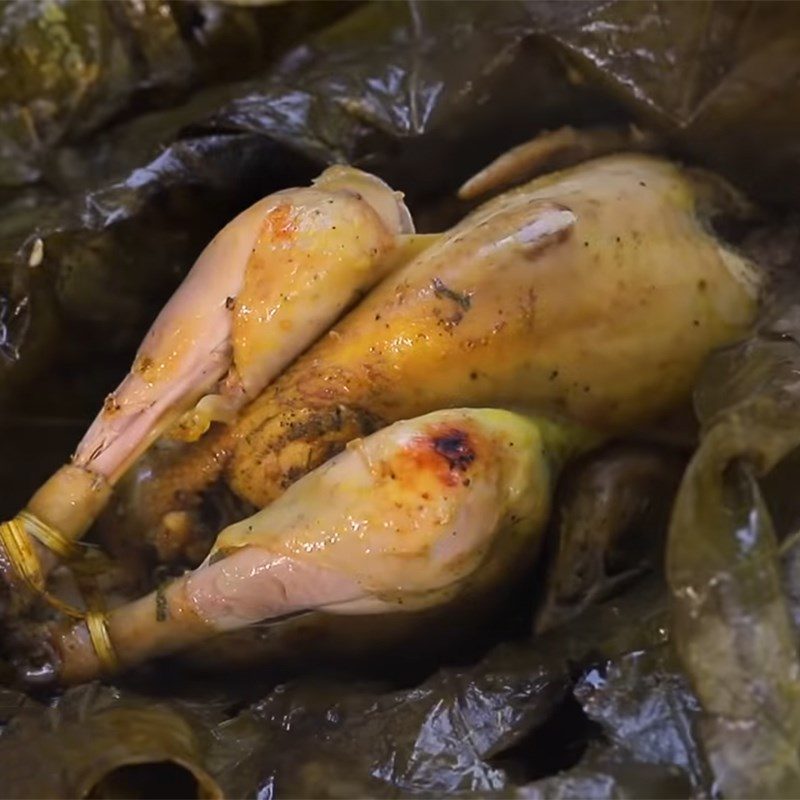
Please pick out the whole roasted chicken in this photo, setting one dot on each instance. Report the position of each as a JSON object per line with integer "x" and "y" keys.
{"x": 398, "y": 460}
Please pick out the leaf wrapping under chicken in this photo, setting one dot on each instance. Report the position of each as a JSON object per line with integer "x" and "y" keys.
{"x": 732, "y": 624}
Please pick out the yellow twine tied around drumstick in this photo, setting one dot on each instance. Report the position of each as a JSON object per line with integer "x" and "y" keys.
{"x": 16, "y": 538}
{"x": 97, "y": 625}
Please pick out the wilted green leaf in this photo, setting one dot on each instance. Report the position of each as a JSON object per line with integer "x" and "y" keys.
{"x": 92, "y": 737}
{"x": 732, "y": 625}
{"x": 611, "y": 515}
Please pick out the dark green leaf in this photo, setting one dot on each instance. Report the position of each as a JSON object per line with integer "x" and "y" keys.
{"x": 336, "y": 740}
{"x": 610, "y": 773}
{"x": 644, "y": 704}
{"x": 339, "y": 741}
{"x": 67, "y": 68}
{"x": 733, "y": 92}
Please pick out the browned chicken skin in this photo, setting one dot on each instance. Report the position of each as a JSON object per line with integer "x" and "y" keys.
{"x": 586, "y": 300}
{"x": 592, "y": 294}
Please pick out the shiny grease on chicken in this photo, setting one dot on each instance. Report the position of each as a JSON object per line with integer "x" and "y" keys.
{"x": 593, "y": 294}
{"x": 414, "y": 516}
{"x": 589, "y": 296}
{"x": 267, "y": 285}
